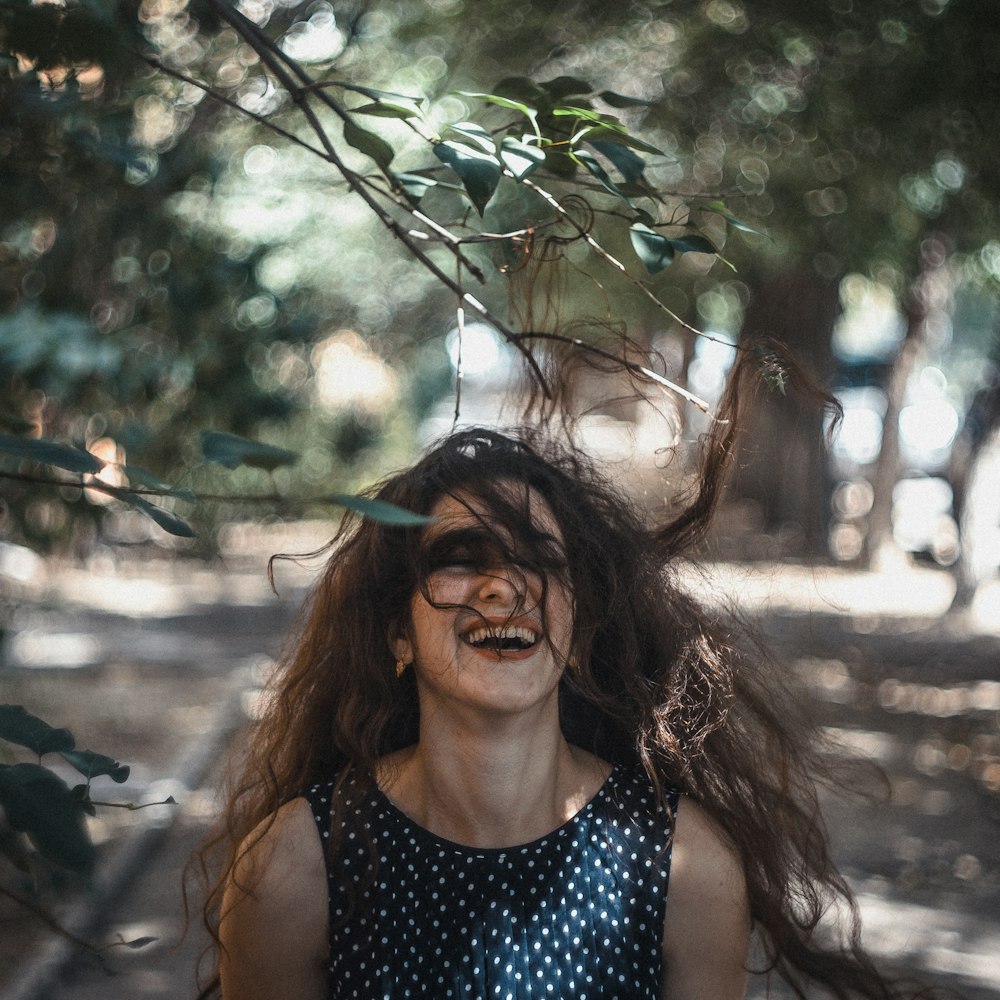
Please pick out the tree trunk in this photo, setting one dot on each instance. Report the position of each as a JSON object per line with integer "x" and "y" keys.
{"x": 781, "y": 465}
{"x": 975, "y": 479}
{"x": 879, "y": 543}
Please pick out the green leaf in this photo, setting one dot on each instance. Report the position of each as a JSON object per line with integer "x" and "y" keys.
{"x": 368, "y": 143}
{"x": 480, "y": 172}
{"x": 92, "y": 765}
{"x": 630, "y": 165}
{"x": 693, "y": 244}
{"x": 138, "y": 476}
{"x": 41, "y": 805}
{"x": 566, "y": 86}
{"x": 475, "y": 134}
{"x": 380, "y": 510}
{"x": 719, "y": 208}
{"x": 589, "y": 161}
{"x": 622, "y": 101}
{"x": 372, "y": 94}
{"x": 232, "y": 451}
{"x": 388, "y": 109}
{"x": 653, "y": 249}
{"x": 166, "y": 519}
{"x": 520, "y": 158}
{"x": 588, "y": 115}
{"x": 502, "y": 102}
{"x": 522, "y": 89}
{"x": 415, "y": 186}
{"x": 608, "y": 133}
{"x": 17, "y": 725}
{"x": 62, "y": 456}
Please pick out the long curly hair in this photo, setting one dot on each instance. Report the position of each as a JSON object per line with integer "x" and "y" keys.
{"x": 662, "y": 683}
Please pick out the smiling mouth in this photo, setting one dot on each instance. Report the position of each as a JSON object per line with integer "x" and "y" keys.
{"x": 504, "y": 639}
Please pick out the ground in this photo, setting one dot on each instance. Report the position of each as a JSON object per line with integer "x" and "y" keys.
{"x": 157, "y": 662}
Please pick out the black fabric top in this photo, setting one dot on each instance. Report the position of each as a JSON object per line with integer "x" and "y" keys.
{"x": 575, "y": 915}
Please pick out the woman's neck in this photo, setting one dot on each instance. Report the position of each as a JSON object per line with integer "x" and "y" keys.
{"x": 497, "y": 789}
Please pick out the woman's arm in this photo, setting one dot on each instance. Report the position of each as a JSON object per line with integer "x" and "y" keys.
{"x": 707, "y": 929}
{"x": 275, "y": 919}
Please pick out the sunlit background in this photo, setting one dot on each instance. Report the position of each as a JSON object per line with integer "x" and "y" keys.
{"x": 168, "y": 266}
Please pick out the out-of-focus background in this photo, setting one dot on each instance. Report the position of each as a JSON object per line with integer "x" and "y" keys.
{"x": 169, "y": 266}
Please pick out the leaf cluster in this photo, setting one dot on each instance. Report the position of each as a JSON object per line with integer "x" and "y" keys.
{"x": 555, "y": 133}
{"x": 39, "y": 806}
{"x": 220, "y": 447}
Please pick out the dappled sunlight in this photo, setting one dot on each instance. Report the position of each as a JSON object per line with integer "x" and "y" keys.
{"x": 903, "y": 590}
{"x": 350, "y": 375}
{"x": 931, "y": 939}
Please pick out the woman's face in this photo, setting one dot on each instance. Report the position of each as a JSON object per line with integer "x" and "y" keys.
{"x": 493, "y": 637}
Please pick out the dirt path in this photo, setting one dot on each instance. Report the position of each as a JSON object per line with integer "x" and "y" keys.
{"x": 154, "y": 680}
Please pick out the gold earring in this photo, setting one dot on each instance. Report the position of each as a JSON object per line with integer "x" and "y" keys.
{"x": 400, "y": 668}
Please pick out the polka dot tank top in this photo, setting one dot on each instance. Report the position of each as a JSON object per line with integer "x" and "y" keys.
{"x": 576, "y": 915}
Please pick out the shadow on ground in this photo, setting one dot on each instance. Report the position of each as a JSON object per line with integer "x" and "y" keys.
{"x": 158, "y": 665}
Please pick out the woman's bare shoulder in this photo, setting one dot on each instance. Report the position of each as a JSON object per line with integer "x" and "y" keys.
{"x": 275, "y": 923}
{"x": 707, "y": 927}
{"x": 286, "y": 842}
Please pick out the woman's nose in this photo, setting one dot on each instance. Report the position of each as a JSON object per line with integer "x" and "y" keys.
{"x": 501, "y": 583}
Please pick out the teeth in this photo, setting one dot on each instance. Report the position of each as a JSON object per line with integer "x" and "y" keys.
{"x": 509, "y": 636}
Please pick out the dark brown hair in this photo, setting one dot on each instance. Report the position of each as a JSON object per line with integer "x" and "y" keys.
{"x": 662, "y": 684}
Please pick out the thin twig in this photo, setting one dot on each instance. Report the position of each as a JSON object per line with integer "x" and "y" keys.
{"x": 53, "y": 924}
{"x": 460, "y": 328}
{"x": 268, "y": 52}
{"x": 632, "y": 366}
{"x": 609, "y": 258}
{"x": 222, "y": 99}
{"x": 141, "y": 491}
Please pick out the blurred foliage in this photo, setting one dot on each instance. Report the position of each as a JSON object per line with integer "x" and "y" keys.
{"x": 38, "y": 804}
{"x": 43, "y": 820}
{"x": 169, "y": 265}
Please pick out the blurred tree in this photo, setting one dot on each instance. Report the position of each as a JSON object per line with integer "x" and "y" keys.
{"x": 862, "y": 135}
{"x": 177, "y": 263}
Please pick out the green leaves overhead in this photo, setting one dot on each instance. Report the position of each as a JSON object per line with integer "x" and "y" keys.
{"x": 368, "y": 143}
{"x": 693, "y": 243}
{"x": 19, "y": 726}
{"x": 657, "y": 251}
{"x": 630, "y": 165}
{"x": 562, "y": 87}
{"x": 62, "y": 456}
{"x": 380, "y": 510}
{"x": 166, "y": 519}
{"x": 139, "y": 476}
{"x": 415, "y": 186}
{"x": 651, "y": 247}
{"x": 520, "y": 158}
{"x": 476, "y": 134}
{"x": 622, "y": 101}
{"x": 389, "y": 109}
{"x": 719, "y": 208}
{"x": 479, "y": 171}
{"x": 506, "y": 102}
{"x": 384, "y": 103}
{"x": 373, "y": 94}
{"x": 589, "y": 161}
{"x": 232, "y": 451}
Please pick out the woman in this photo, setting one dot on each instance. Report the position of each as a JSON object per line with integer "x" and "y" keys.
{"x": 509, "y": 757}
